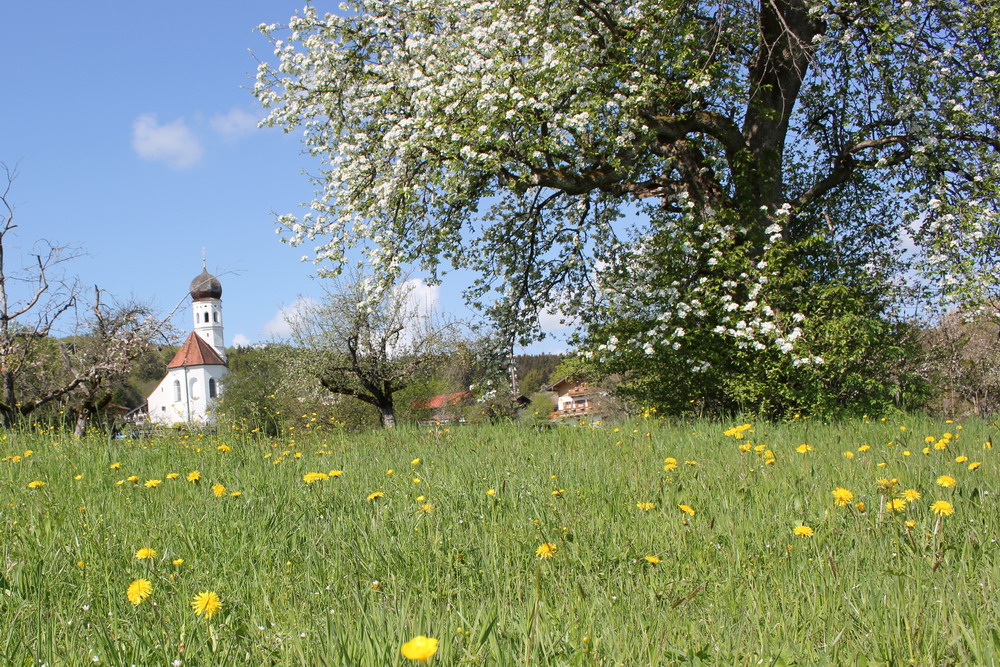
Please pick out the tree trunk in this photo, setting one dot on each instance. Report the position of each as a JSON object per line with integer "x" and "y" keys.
{"x": 81, "y": 423}
{"x": 388, "y": 416}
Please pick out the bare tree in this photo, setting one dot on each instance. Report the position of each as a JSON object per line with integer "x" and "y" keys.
{"x": 370, "y": 343}
{"x": 35, "y": 368}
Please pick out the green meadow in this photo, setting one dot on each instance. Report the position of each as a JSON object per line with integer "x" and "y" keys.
{"x": 644, "y": 543}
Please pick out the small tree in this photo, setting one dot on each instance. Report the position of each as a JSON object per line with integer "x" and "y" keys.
{"x": 370, "y": 343}
{"x": 36, "y": 369}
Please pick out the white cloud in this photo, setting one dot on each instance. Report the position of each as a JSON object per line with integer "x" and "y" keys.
{"x": 173, "y": 143}
{"x": 279, "y": 326}
{"x": 239, "y": 340}
{"x": 234, "y": 124}
{"x": 422, "y": 298}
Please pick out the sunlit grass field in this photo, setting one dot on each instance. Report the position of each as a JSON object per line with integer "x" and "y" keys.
{"x": 644, "y": 543}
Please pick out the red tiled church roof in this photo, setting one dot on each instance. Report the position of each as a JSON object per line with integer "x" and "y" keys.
{"x": 196, "y": 352}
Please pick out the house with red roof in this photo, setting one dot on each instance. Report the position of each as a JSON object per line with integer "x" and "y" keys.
{"x": 194, "y": 376}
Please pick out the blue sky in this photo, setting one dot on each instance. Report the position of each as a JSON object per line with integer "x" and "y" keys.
{"x": 134, "y": 134}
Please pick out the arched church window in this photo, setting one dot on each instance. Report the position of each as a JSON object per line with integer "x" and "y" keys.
{"x": 177, "y": 390}
{"x": 206, "y": 317}
{"x": 211, "y": 388}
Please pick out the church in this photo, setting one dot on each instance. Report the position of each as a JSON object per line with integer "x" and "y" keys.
{"x": 194, "y": 376}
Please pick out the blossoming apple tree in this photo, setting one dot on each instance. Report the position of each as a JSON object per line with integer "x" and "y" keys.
{"x": 696, "y": 181}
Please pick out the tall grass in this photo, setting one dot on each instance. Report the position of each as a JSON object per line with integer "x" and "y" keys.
{"x": 317, "y": 574}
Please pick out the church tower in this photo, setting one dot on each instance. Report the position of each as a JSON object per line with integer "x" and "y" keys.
{"x": 193, "y": 384}
{"x": 206, "y": 294}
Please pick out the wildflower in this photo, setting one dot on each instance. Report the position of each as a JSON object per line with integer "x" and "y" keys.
{"x": 37, "y": 484}
{"x": 133, "y": 478}
{"x": 802, "y": 449}
{"x": 885, "y": 485}
{"x": 803, "y": 531}
{"x": 145, "y": 553}
{"x": 193, "y": 476}
{"x": 172, "y": 475}
{"x": 139, "y": 590}
{"x": 491, "y": 492}
{"x": 896, "y": 505}
{"x": 911, "y": 495}
{"x": 206, "y": 604}
{"x": 860, "y": 506}
{"x": 961, "y": 459}
{"x": 849, "y": 454}
{"x": 645, "y": 507}
{"x": 235, "y": 494}
{"x": 745, "y": 447}
{"x": 427, "y": 508}
{"x": 864, "y": 448}
{"x": 652, "y": 560}
{"x": 415, "y": 462}
{"x": 416, "y": 480}
{"x": 116, "y": 465}
{"x": 311, "y": 477}
{"x": 390, "y": 472}
{"x": 842, "y": 496}
{"x": 670, "y": 466}
{"x": 547, "y": 550}
{"x": 78, "y": 477}
{"x": 687, "y": 509}
{"x": 974, "y": 465}
{"x": 947, "y": 481}
{"x": 376, "y": 495}
{"x": 177, "y": 561}
{"x": 224, "y": 448}
{"x": 690, "y": 463}
{"x": 420, "y": 648}
{"x": 152, "y": 483}
{"x": 910, "y": 523}
{"x": 421, "y": 499}
{"x": 218, "y": 490}
{"x": 558, "y": 492}
{"x": 336, "y": 473}
{"x": 942, "y": 508}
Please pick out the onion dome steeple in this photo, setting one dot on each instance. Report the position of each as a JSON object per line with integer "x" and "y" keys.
{"x": 205, "y": 285}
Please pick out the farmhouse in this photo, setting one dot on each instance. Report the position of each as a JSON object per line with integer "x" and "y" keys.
{"x": 574, "y": 398}
{"x": 194, "y": 375}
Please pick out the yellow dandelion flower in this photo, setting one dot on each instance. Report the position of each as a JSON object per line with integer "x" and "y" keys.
{"x": 206, "y": 604}
{"x": 746, "y": 447}
{"x": 133, "y": 478}
{"x": 929, "y": 439}
{"x": 670, "y": 466}
{"x": 177, "y": 561}
{"x": 558, "y": 492}
{"x": 421, "y": 499}
{"x": 152, "y": 483}
{"x": 547, "y": 550}
{"x": 390, "y": 472}
{"x": 491, "y": 492}
{"x": 375, "y": 496}
{"x": 415, "y": 462}
{"x": 974, "y": 465}
{"x": 860, "y": 506}
{"x": 842, "y": 496}
{"x": 420, "y": 648}
{"x": 802, "y": 449}
{"x": 193, "y": 476}
{"x": 645, "y": 507}
{"x": 911, "y": 495}
{"x": 942, "y": 508}
{"x": 910, "y": 523}
{"x": 224, "y": 448}
{"x": 219, "y": 490}
{"x": 116, "y": 465}
{"x": 849, "y": 454}
{"x": 652, "y": 560}
{"x": 947, "y": 481}
{"x": 78, "y": 477}
{"x": 896, "y": 505}
{"x": 311, "y": 477}
{"x": 864, "y": 448}
{"x": 37, "y": 484}
{"x": 145, "y": 553}
{"x": 687, "y": 509}
{"x": 172, "y": 475}
{"x": 139, "y": 590}
{"x": 235, "y": 494}
{"x": 336, "y": 473}
{"x": 803, "y": 531}
{"x": 427, "y": 508}
{"x": 961, "y": 459}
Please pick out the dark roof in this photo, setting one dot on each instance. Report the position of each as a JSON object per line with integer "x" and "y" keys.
{"x": 206, "y": 286}
{"x": 196, "y": 352}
